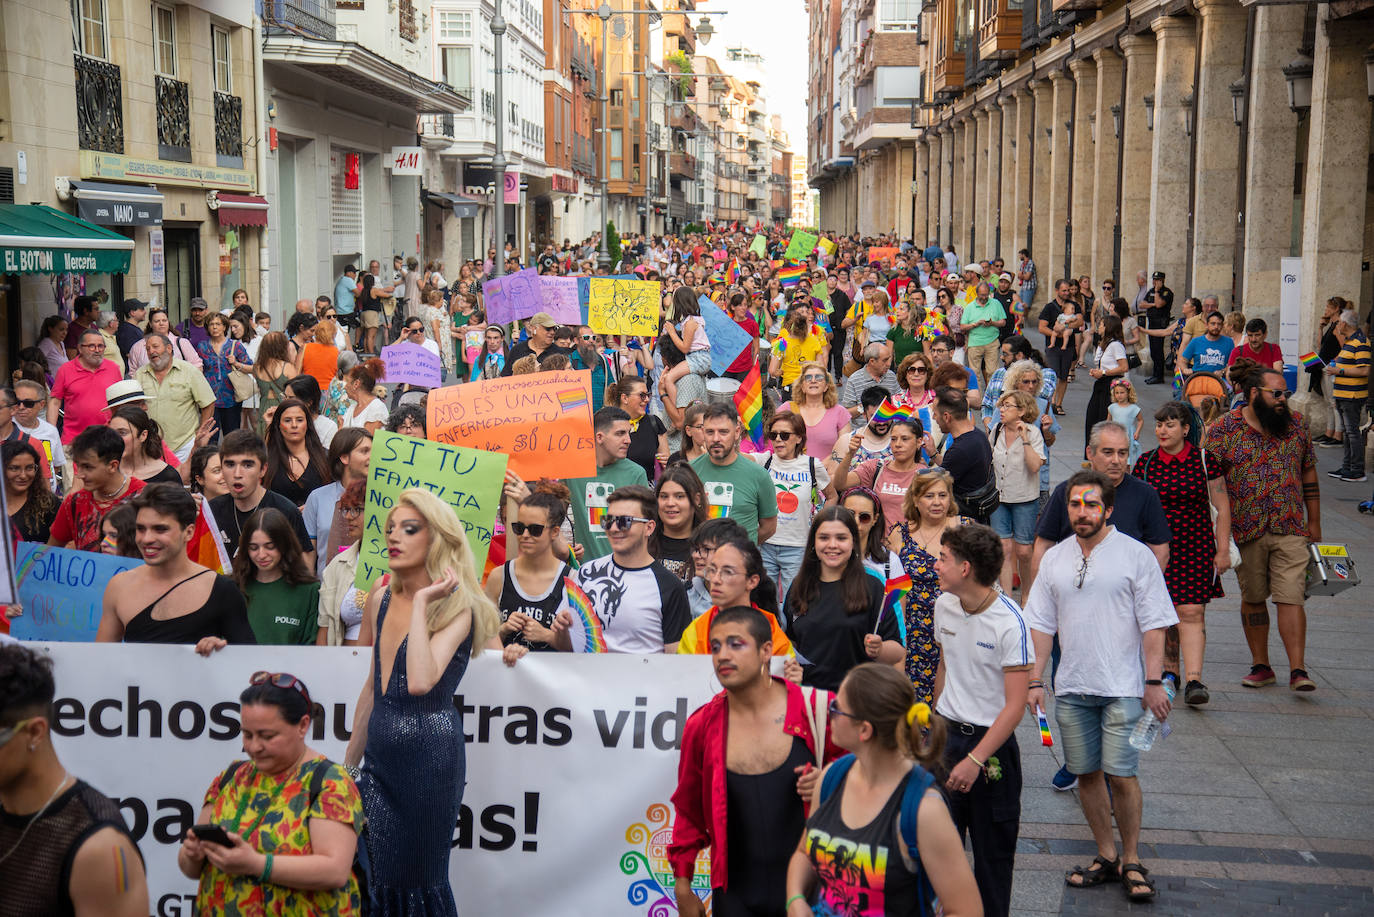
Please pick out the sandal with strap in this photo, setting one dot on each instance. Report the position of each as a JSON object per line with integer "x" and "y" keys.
{"x": 1097, "y": 872}
{"x": 1142, "y": 889}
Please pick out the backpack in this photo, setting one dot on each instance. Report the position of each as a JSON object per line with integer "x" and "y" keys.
{"x": 917, "y": 783}
{"x": 361, "y": 867}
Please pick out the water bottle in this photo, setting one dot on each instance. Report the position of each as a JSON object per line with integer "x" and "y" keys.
{"x": 1147, "y": 727}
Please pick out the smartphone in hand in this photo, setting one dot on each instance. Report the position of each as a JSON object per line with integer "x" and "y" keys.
{"x": 212, "y": 834}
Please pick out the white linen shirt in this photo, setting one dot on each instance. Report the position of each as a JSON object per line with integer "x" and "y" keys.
{"x": 1100, "y": 624}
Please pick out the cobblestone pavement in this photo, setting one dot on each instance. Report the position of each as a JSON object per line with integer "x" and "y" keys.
{"x": 1260, "y": 802}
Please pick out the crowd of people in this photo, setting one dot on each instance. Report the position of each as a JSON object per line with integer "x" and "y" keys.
{"x": 891, "y": 531}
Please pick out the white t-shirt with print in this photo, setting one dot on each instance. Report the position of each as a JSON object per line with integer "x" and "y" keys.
{"x": 796, "y": 501}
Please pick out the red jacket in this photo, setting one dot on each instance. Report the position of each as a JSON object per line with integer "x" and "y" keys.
{"x": 700, "y": 798}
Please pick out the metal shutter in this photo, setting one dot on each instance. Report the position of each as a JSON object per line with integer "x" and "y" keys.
{"x": 346, "y": 210}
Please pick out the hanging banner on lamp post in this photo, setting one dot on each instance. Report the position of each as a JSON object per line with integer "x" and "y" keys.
{"x": 512, "y": 187}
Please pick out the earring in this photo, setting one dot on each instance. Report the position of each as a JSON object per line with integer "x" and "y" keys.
{"x": 33, "y": 748}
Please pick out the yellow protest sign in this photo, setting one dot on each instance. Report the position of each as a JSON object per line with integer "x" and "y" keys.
{"x": 618, "y": 306}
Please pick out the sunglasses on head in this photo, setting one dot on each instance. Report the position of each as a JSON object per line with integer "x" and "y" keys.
{"x": 280, "y": 680}
{"x": 620, "y": 522}
{"x": 534, "y": 531}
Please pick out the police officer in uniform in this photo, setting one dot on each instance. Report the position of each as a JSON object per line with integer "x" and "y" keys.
{"x": 1159, "y": 307}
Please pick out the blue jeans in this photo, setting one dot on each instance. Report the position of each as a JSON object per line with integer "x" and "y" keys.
{"x": 780, "y": 564}
{"x": 1095, "y": 733}
{"x": 1351, "y": 410}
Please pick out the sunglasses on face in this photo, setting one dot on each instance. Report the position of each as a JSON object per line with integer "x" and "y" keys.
{"x": 781, "y": 436}
{"x": 834, "y": 710}
{"x": 534, "y": 531}
{"x": 813, "y": 377}
{"x": 864, "y": 518}
{"x": 280, "y": 680}
{"x": 623, "y": 523}
{"x": 28, "y": 402}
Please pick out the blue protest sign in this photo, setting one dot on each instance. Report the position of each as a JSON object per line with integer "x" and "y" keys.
{"x": 728, "y": 340}
{"x": 62, "y": 591}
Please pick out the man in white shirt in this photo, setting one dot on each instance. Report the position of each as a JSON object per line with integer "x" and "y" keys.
{"x": 1103, "y": 593}
{"x": 980, "y": 690}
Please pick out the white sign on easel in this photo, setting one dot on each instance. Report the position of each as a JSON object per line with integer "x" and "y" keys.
{"x": 1290, "y": 309}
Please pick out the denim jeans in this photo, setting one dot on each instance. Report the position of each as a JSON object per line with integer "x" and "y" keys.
{"x": 1350, "y": 410}
{"x": 780, "y": 564}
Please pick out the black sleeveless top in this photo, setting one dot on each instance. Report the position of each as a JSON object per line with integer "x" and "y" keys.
{"x": 224, "y": 615}
{"x": 542, "y": 608}
{"x": 36, "y": 877}
{"x": 765, "y": 819}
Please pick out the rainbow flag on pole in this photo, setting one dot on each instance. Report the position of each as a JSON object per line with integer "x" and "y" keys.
{"x": 889, "y": 411}
{"x": 205, "y": 546}
{"x": 1311, "y": 361}
{"x": 749, "y": 402}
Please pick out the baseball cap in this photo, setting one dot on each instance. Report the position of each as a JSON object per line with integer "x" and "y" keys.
{"x": 130, "y": 305}
{"x": 198, "y": 302}
{"x": 125, "y": 391}
{"x": 867, "y": 283}
{"x": 1005, "y": 276}
{"x": 544, "y": 319}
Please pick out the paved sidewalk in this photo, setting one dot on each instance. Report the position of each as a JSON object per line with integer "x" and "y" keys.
{"x": 1260, "y": 802}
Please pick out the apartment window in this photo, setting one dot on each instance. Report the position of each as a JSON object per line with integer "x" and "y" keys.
{"x": 454, "y": 25}
{"x": 616, "y": 98}
{"x": 458, "y": 67}
{"x": 164, "y": 40}
{"x": 219, "y": 44}
{"x": 617, "y": 151}
{"x": 89, "y": 31}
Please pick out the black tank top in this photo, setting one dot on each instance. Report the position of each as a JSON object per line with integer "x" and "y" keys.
{"x": 35, "y": 878}
{"x": 542, "y": 608}
{"x": 862, "y": 870}
{"x": 765, "y": 819}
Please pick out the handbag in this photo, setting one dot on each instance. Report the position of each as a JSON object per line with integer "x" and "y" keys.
{"x": 1231, "y": 547}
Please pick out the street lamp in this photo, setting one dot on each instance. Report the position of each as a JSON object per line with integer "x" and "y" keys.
{"x": 1239, "y": 90}
{"x": 1298, "y": 74}
{"x": 1149, "y": 111}
{"x": 498, "y": 158}
{"x": 1116, "y": 121}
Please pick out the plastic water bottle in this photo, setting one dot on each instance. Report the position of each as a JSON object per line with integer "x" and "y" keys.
{"x": 1147, "y": 727}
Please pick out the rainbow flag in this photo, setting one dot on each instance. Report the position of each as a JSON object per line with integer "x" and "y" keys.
{"x": 732, "y": 271}
{"x": 717, "y": 511}
{"x": 1311, "y": 361}
{"x": 595, "y": 514}
{"x": 572, "y": 399}
{"x": 789, "y": 276}
{"x": 205, "y": 546}
{"x": 1046, "y": 739}
{"x": 581, "y": 606}
{"x": 894, "y": 594}
{"x": 749, "y": 402}
{"x": 889, "y": 411}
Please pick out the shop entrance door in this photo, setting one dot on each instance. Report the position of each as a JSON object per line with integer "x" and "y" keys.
{"x": 182, "y": 248}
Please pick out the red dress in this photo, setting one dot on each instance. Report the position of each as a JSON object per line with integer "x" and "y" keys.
{"x": 1182, "y": 487}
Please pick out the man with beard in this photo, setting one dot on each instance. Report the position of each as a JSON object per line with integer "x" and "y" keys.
{"x": 736, "y": 487}
{"x": 1271, "y": 478}
{"x": 179, "y": 398}
{"x": 611, "y": 432}
{"x": 1103, "y": 594}
{"x": 755, "y": 736}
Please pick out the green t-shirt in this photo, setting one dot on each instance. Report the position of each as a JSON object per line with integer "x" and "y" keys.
{"x": 742, "y": 491}
{"x": 904, "y": 344}
{"x": 589, "y": 497}
{"x": 282, "y": 614}
{"x": 973, "y": 312}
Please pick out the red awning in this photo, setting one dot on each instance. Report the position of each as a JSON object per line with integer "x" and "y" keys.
{"x": 241, "y": 209}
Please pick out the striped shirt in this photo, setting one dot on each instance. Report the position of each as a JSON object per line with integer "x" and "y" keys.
{"x": 1355, "y": 353}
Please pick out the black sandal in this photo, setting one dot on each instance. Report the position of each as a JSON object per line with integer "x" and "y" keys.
{"x": 1088, "y": 877}
{"x": 1133, "y": 886}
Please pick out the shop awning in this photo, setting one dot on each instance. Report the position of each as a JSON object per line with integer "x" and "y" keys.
{"x": 110, "y": 204}
{"x": 241, "y": 209}
{"x": 35, "y": 239}
{"x": 463, "y": 206}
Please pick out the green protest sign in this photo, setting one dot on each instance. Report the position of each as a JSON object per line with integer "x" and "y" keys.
{"x": 759, "y": 246}
{"x": 469, "y": 480}
{"x": 800, "y": 246}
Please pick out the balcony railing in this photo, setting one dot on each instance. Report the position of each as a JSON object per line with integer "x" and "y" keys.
{"x": 229, "y": 129}
{"x": 173, "y": 119}
{"x": 99, "y": 105}
{"x": 683, "y": 165}
{"x": 437, "y": 125}
{"x": 313, "y": 18}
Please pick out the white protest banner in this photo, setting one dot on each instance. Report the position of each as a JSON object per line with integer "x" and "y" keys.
{"x": 412, "y": 364}
{"x": 571, "y": 762}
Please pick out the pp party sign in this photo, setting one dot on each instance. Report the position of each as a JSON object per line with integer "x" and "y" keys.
{"x": 411, "y": 364}
{"x": 62, "y": 591}
{"x": 616, "y": 306}
{"x": 543, "y": 421}
{"x": 801, "y": 245}
{"x": 468, "y": 480}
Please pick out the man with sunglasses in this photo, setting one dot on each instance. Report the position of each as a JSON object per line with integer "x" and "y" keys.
{"x": 31, "y": 399}
{"x": 611, "y": 431}
{"x": 64, "y": 847}
{"x": 1103, "y": 594}
{"x": 642, "y": 606}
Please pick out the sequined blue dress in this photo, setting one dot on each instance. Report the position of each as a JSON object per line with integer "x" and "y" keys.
{"x": 412, "y": 786}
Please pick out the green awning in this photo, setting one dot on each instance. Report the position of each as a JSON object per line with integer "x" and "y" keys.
{"x": 35, "y": 239}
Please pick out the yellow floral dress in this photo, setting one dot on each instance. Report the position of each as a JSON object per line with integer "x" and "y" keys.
{"x": 273, "y": 816}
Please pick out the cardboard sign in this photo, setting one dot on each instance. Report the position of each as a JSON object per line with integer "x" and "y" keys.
{"x": 512, "y": 296}
{"x": 412, "y": 364}
{"x": 885, "y": 255}
{"x": 728, "y": 339}
{"x": 466, "y": 479}
{"x": 759, "y": 246}
{"x": 616, "y": 306}
{"x": 561, "y": 300}
{"x": 542, "y": 421}
{"x": 826, "y": 245}
{"x": 800, "y": 246}
{"x": 62, "y": 591}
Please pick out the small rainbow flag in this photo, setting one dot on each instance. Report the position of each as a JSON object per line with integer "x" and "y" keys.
{"x": 789, "y": 276}
{"x": 749, "y": 401}
{"x": 894, "y": 594}
{"x": 732, "y": 271}
{"x": 889, "y": 411}
{"x": 582, "y": 610}
{"x": 572, "y": 399}
{"x": 1311, "y": 361}
{"x": 1046, "y": 739}
{"x": 717, "y": 511}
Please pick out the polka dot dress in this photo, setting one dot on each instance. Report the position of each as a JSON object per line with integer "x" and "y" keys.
{"x": 1182, "y": 487}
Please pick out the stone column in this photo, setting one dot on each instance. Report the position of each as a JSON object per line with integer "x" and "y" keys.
{"x": 1040, "y": 148}
{"x": 978, "y": 179}
{"x": 1099, "y": 236}
{"x": 972, "y": 131}
{"x": 946, "y": 184}
{"x": 959, "y": 215}
{"x": 1087, "y": 132}
{"x": 995, "y": 182}
{"x": 1138, "y": 152}
{"x": 1221, "y": 31}
{"x": 1058, "y": 217}
{"x": 1269, "y": 160}
{"x": 1016, "y": 151}
{"x": 927, "y": 195}
{"x": 1172, "y": 150}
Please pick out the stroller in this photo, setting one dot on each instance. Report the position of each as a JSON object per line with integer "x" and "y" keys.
{"x": 1201, "y": 385}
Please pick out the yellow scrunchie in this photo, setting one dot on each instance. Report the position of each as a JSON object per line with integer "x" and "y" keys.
{"x": 919, "y": 713}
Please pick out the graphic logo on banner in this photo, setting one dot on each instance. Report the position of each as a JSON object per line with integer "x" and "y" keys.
{"x": 62, "y": 591}
{"x": 405, "y": 160}
{"x": 651, "y": 857}
{"x": 617, "y": 306}
{"x": 512, "y": 187}
{"x": 543, "y": 421}
{"x": 411, "y": 364}
{"x": 513, "y": 296}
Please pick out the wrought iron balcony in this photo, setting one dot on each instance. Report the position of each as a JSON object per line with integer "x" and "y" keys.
{"x": 437, "y": 125}
{"x": 312, "y": 18}
{"x": 99, "y": 105}
{"x": 173, "y": 119}
{"x": 228, "y": 126}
